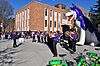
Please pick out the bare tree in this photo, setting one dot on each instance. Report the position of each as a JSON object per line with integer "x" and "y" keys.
{"x": 6, "y": 12}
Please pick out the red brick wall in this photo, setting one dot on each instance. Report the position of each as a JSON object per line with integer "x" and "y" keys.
{"x": 37, "y": 15}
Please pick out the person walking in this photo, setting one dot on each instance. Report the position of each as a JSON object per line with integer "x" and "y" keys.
{"x": 14, "y": 39}
{"x": 41, "y": 37}
{"x": 33, "y": 36}
{"x": 38, "y": 36}
{"x": 46, "y": 37}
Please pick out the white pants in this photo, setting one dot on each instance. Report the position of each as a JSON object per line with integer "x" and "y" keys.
{"x": 36, "y": 38}
{"x": 21, "y": 40}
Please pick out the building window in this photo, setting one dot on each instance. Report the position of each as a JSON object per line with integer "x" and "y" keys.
{"x": 45, "y": 23}
{"x": 45, "y": 12}
{"x": 55, "y": 24}
{"x": 51, "y": 13}
{"x": 63, "y": 16}
{"x": 50, "y": 23}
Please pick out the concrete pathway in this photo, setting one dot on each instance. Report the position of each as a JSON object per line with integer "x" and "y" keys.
{"x": 33, "y": 54}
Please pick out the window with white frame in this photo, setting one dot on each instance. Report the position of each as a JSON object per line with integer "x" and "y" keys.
{"x": 63, "y": 16}
{"x": 50, "y": 23}
{"x": 45, "y": 23}
{"x": 46, "y": 11}
{"x": 55, "y": 24}
{"x": 28, "y": 13}
{"x": 50, "y": 13}
{"x": 25, "y": 14}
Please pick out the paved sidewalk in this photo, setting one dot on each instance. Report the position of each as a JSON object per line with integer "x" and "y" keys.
{"x": 34, "y": 54}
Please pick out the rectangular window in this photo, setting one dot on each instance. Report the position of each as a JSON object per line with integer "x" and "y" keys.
{"x": 55, "y": 24}
{"x": 63, "y": 16}
{"x": 45, "y": 12}
{"x": 45, "y": 23}
{"x": 25, "y": 14}
{"x": 51, "y": 13}
{"x": 50, "y": 23}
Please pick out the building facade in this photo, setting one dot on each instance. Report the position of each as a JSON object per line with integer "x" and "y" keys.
{"x": 37, "y": 16}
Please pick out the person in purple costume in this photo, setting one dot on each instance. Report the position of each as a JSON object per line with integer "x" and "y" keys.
{"x": 55, "y": 41}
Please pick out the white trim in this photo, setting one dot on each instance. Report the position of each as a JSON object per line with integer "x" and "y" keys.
{"x": 25, "y": 20}
{"x": 51, "y": 19}
{"x": 50, "y": 28}
{"x": 45, "y": 28}
{"x": 46, "y": 18}
{"x": 59, "y": 20}
{"x": 22, "y": 20}
{"x": 16, "y": 23}
{"x": 28, "y": 25}
{"x": 55, "y": 16}
{"x": 55, "y": 29}
{"x": 25, "y": 13}
{"x": 55, "y": 19}
{"x": 28, "y": 12}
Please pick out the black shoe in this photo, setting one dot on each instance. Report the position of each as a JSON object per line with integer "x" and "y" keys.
{"x": 74, "y": 50}
{"x": 55, "y": 56}
{"x": 15, "y": 46}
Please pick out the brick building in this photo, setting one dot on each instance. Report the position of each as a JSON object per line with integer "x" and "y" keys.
{"x": 37, "y": 16}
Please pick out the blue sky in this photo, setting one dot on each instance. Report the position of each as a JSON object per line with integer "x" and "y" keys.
{"x": 86, "y": 4}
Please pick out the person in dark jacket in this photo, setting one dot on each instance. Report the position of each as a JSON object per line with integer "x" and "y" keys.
{"x": 52, "y": 42}
{"x": 42, "y": 36}
{"x": 14, "y": 39}
{"x": 33, "y": 36}
{"x": 38, "y": 36}
{"x": 46, "y": 38}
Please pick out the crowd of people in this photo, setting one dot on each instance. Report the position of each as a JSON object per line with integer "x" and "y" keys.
{"x": 51, "y": 39}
